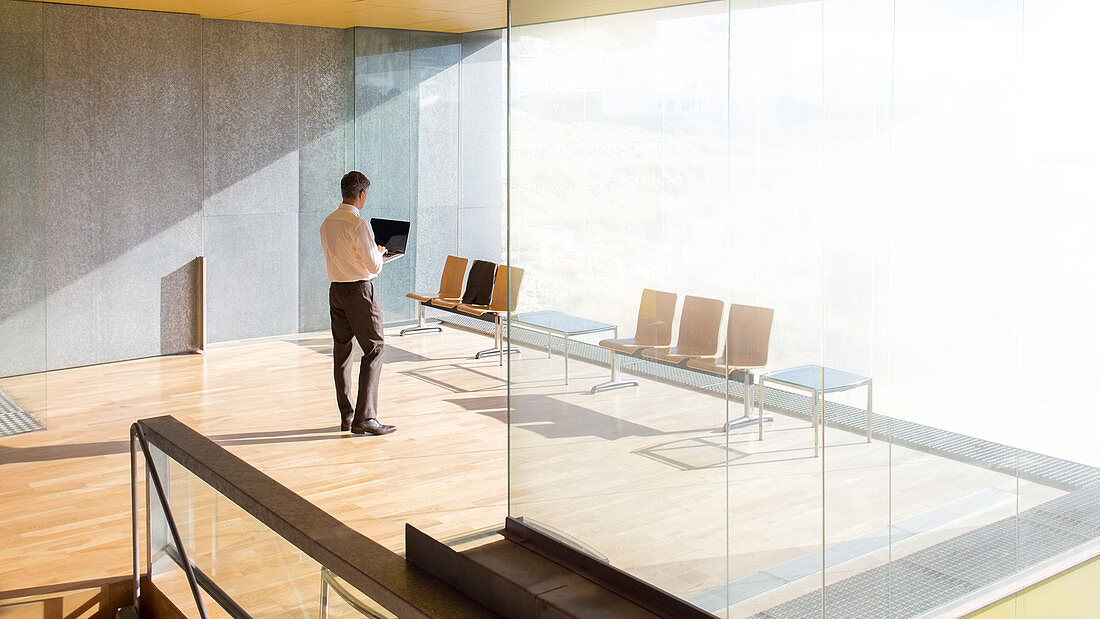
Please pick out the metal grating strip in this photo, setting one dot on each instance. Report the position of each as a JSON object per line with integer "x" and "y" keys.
{"x": 14, "y": 419}
{"x": 935, "y": 576}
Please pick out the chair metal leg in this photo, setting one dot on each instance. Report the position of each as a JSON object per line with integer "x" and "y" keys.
{"x": 614, "y": 383}
{"x": 498, "y": 345}
{"x": 868, "y": 411}
{"x": 813, "y": 416}
{"x": 565, "y": 352}
{"x": 747, "y": 419}
{"x": 421, "y": 327}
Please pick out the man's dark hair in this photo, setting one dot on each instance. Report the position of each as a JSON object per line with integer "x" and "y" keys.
{"x": 352, "y": 183}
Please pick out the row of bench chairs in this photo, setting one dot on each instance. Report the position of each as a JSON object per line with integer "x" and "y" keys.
{"x": 490, "y": 293}
{"x": 748, "y": 334}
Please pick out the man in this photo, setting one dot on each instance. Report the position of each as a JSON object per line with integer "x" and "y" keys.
{"x": 353, "y": 260}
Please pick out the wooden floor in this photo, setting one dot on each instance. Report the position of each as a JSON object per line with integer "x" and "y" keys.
{"x": 642, "y": 476}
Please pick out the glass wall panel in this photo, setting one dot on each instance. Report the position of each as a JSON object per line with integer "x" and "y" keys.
{"x": 618, "y": 185}
{"x": 948, "y": 386}
{"x": 243, "y": 567}
{"x": 907, "y": 188}
{"x": 253, "y": 566}
{"x": 856, "y": 73}
{"x": 775, "y": 517}
{"x": 1054, "y": 299}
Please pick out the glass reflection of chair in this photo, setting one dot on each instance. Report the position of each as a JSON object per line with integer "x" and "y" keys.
{"x": 748, "y": 333}
{"x": 505, "y": 293}
{"x": 450, "y": 289}
{"x": 656, "y": 314}
{"x": 700, "y": 322}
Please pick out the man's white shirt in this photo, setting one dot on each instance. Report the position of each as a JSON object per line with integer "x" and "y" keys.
{"x": 348, "y": 242}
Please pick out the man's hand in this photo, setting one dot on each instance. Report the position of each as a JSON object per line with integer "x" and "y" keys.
{"x": 382, "y": 249}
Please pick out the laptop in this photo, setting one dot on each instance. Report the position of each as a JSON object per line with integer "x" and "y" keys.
{"x": 393, "y": 234}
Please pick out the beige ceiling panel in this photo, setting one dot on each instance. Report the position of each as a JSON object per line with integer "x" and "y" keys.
{"x": 476, "y": 6}
{"x": 440, "y": 15}
{"x": 313, "y": 12}
{"x": 410, "y": 4}
{"x": 465, "y": 24}
{"x": 540, "y": 11}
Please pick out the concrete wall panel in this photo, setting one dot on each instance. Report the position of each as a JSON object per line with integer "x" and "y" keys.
{"x": 122, "y": 122}
{"x": 22, "y": 208}
{"x": 149, "y": 133}
{"x": 250, "y": 118}
{"x": 312, "y": 278}
{"x": 73, "y": 223}
{"x": 251, "y": 276}
{"x": 322, "y": 80}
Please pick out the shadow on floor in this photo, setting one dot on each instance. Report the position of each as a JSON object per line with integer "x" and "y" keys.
{"x": 10, "y": 455}
{"x": 693, "y": 453}
{"x": 553, "y": 418}
{"x": 445, "y": 376}
{"x": 391, "y": 354}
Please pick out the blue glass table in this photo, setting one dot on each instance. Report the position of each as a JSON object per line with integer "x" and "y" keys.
{"x": 818, "y": 381}
{"x": 565, "y": 326}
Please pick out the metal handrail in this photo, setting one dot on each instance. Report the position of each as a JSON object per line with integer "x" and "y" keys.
{"x": 364, "y": 565}
{"x": 136, "y": 434}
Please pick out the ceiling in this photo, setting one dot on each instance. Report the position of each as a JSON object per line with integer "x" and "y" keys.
{"x": 437, "y": 15}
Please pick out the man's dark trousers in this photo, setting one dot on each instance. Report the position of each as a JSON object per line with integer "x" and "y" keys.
{"x": 355, "y": 313}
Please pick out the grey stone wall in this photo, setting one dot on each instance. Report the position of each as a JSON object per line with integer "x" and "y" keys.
{"x": 22, "y": 212}
{"x": 134, "y": 142}
{"x": 324, "y": 80}
{"x": 274, "y": 152}
{"x": 251, "y": 192}
{"x": 122, "y": 178}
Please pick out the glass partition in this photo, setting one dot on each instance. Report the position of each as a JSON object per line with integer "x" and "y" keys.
{"x": 775, "y": 508}
{"x": 254, "y": 568}
{"x": 619, "y": 216}
{"x": 906, "y": 188}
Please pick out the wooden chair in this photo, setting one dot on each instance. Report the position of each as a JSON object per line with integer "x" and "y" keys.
{"x": 656, "y": 313}
{"x": 700, "y": 322}
{"x": 748, "y": 334}
{"x": 479, "y": 284}
{"x": 505, "y": 293}
{"x": 450, "y": 288}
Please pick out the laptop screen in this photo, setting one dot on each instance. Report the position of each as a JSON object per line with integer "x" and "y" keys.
{"x": 393, "y": 234}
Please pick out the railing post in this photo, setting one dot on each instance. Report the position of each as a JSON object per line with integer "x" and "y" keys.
{"x": 163, "y": 498}
{"x": 135, "y": 538}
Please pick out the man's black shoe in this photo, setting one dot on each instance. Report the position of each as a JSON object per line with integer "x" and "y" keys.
{"x": 345, "y": 426}
{"x": 371, "y": 426}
